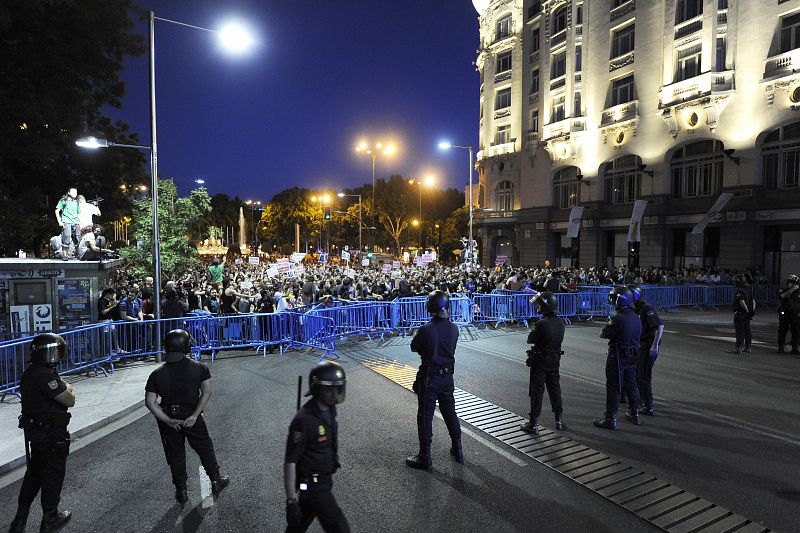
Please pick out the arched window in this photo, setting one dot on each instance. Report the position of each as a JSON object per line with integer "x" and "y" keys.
{"x": 560, "y": 20}
{"x": 566, "y": 188}
{"x": 781, "y": 152}
{"x": 697, "y": 169}
{"x": 504, "y": 196}
{"x": 623, "y": 179}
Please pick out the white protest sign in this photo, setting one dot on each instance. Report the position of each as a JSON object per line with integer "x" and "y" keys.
{"x": 386, "y": 268}
{"x": 395, "y": 265}
{"x": 345, "y": 255}
{"x": 239, "y": 261}
{"x": 254, "y": 260}
{"x": 297, "y": 257}
{"x": 365, "y": 262}
{"x": 272, "y": 271}
{"x": 283, "y": 265}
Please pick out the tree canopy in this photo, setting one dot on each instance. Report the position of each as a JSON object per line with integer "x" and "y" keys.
{"x": 60, "y": 64}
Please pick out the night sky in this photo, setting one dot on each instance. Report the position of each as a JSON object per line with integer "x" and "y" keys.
{"x": 326, "y": 74}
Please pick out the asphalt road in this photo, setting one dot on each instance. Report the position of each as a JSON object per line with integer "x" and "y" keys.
{"x": 726, "y": 429}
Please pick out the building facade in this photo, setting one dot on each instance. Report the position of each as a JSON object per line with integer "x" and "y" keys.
{"x": 598, "y": 103}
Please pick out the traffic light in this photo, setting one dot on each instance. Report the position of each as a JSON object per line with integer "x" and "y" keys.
{"x": 327, "y": 213}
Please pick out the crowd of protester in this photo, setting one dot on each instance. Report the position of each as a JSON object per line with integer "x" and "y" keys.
{"x": 225, "y": 286}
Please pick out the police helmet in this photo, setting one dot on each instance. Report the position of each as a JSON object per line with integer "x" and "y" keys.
{"x": 621, "y": 297}
{"x": 794, "y": 279}
{"x": 546, "y": 303}
{"x": 48, "y": 349}
{"x": 327, "y": 383}
{"x": 177, "y": 344}
{"x": 438, "y": 304}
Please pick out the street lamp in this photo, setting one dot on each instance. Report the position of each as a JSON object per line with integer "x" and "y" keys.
{"x": 325, "y": 201}
{"x": 253, "y": 206}
{"x": 233, "y": 38}
{"x": 360, "y": 223}
{"x": 446, "y": 146}
{"x": 429, "y": 181}
{"x": 374, "y": 150}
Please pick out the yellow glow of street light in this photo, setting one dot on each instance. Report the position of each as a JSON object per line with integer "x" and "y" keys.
{"x": 415, "y": 222}
{"x": 313, "y": 198}
{"x": 411, "y": 182}
{"x": 326, "y": 198}
{"x": 429, "y": 181}
{"x": 390, "y": 149}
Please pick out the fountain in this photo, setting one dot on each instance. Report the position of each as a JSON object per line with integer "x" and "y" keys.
{"x": 242, "y": 231}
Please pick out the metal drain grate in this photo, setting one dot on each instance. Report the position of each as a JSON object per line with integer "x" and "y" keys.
{"x": 659, "y": 502}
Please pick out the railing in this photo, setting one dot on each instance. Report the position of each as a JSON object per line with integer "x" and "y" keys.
{"x": 782, "y": 64}
{"x": 99, "y": 347}
{"x": 686, "y": 89}
{"x": 620, "y": 113}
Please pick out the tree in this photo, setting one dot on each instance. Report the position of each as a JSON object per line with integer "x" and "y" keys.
{"x": 60, "y": 66}
{"x": 284, "y": 210}
{"x": 394, "y": 207}
{"x": 176, "y": 217}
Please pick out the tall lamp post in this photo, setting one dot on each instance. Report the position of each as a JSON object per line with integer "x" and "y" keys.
{"x": 373, "y": 151}
{"x": 325, "y": 201}
{"x": 447, "y": 146}
{"x": 429, "y": 181}
{"x": 254, "y": 204}
{"x": 234, "y": 39}
{"x": 360, "y": 223}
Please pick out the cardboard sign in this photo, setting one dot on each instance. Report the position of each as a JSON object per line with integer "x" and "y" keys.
{"x": 428, "y": 258}
{"x": 283, "y": 265}
{"x": 254, "y": 260}
{"x": 395, "y": 265}
{"x": 345, "y": 256}
{"x": 297, "y": 257}
{"x": 239, "y": 261}
{"x": 272, "y": 271}
{"x": 386, "y": 268}
{"x": 365, "y": 262}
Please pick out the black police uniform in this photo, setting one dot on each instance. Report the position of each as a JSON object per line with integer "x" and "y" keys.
{"x": 435, "y": 342}
{"x": 644, "y": 369}
{"x": 546, "y": 337}
{"x": 789, "y": 319}
{"x": 742, "y": 318}
{"x": 178, "y": 385}
{"x": 623, "y": 333}
{"x": 312, "y": 445}
{"x": 45, "y": 423}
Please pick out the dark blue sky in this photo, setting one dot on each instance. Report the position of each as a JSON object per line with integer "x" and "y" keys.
{"x": 328, "y": 73}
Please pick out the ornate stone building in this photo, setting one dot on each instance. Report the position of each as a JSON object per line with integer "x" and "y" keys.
{"x": 598, "y": 103}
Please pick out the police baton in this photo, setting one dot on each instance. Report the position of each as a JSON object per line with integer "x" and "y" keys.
{"x": 299, "y": 390}
{"x": 27, "y": 442}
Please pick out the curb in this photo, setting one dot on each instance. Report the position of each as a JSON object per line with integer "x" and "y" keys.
{"x": 77, "y": 434}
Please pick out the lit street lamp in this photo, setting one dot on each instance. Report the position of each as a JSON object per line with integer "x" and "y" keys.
{"x": 325, "y": 201}
{"x": 253, "y": 206}
{"x": 374, "y": 150}
{"x": 360, "y": 223}
{"x": 232, "y": 38}
{"x": 429, "y": 181}
{"x": 446, "y": 146}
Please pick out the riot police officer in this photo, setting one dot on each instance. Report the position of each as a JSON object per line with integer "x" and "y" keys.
{"x": 435, "y": 342}
{"x": 623, "y": 333}
{"x": 744, "y": 308}
{"x": 312, "y": 454}
{"x": 544, "y": 359}
{"x": 44, "y": 419}
{"x": 649, "y": 343}
{"x": 789, "y": 314}
{"x": 184, "y": 386}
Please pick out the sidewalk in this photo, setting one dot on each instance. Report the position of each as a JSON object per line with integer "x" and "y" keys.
{"x": 100, "y": 400}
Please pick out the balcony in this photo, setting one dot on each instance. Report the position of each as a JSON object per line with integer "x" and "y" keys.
{"x": 684, "y": 90}
{"x": 622, "y": 10}
{"x": 621, "y": 61}
{"x": 503, "y": 76}
{"x": 688, "y": 27}
{"x": 558, "y": 38}
{"x": 722, "y": 19}
{"x": 533, "y": 98}
{"x": 620, "y": 113}
{"x": 498, "y": 149}
{"x": 502, "y": 113}
{"x": 782, "y": 65}
{"x": 533, "y": 58}
{"x": 532, "y": 142}
{"x": 564, "y": 127}
{"x": 722, "y": 81}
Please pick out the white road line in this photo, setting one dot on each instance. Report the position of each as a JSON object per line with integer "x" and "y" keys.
{"x": 738, "y": 423}
{"x": 205, "y": 489}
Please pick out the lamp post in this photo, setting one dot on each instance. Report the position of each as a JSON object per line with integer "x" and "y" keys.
{"x": 325, "y": 201}
{"x": 429, "y": 181}
{"x": 374, "y": 150}
{"x": 447, "y": 146}
{"x": 254, "y": 204}
{"x": 360, "y": 223}
{"x": 233, "y": 38}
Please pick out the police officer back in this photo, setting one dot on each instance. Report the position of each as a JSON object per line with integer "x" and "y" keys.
{"x": 744, "y": 308}
{"x": 649, "y": 343}
{"x": 44, "y": 419}
{"x": 435, "y": 342}
{"x": 312, "y": 454}
{"x": 184, "y": 387}
{"x": 789, "y": 314}
{"x": 544, "y": 358}
{"x": 623, "y": 333}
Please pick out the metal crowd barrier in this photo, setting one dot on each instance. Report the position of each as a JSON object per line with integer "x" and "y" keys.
{"x": 357, "y": 318}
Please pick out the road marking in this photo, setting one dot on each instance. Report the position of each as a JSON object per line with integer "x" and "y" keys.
{"x": 725, "y": 339}
{"x": 664, "y": 505}
{"x": 758, "y": 429}
{"x": 205, "y": 489}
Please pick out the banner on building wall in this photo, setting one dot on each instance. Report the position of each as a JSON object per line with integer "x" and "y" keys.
{"x": 574, "y": 222}
{"x": 635, "y": 227}
{"x": 718, "y": 206}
